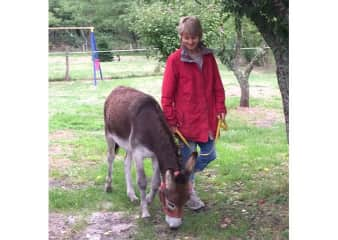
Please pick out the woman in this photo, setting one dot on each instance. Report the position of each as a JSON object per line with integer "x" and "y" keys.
{"x": 193, "y": 97}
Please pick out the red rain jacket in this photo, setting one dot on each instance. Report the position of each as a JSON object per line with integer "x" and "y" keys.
{"x": 192, "y": 98}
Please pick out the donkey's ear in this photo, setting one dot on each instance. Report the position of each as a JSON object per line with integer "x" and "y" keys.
{"x": 189, "y": 166}
{"x": 169, "y": 180}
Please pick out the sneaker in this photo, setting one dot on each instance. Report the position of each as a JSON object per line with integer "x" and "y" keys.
{"x": 194, "y": 203}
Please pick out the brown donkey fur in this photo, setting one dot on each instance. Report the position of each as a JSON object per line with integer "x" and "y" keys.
{"x": 134, "y": 121}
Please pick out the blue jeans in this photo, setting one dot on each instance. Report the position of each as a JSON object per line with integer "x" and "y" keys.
{"x": 205, "y": 156}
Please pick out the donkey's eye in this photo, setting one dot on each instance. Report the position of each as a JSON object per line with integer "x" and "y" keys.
{"x": 171, "y": 206}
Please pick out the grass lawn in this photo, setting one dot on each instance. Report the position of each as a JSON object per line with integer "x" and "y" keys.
{"x": 245, "y": 189}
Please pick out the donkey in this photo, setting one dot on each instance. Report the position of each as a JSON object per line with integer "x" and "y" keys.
{"x": 134, "y": 121}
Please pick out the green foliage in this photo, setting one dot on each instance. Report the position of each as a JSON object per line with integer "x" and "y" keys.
{"x": 104, "y": 56}
{"x": 250, "y": 38}
{"x": 60, "y": 12}
{"x": 156, "y": 26}
{"x": 149, "y": 23}
{"x": 108, "y": 18}
{"x": 271, "y": 17}
{"x": 156, "y": 23}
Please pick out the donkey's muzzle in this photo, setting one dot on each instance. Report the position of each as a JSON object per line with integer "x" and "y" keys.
{"x": 172, "y": 217}
{"x": 173, "y": 222}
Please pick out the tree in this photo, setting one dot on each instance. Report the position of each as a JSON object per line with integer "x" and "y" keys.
{"x": 272, "y": 20}
{"x": 231, "y": 58}
{"x": 156, "y": 23}
{"x": 109, "y": 19}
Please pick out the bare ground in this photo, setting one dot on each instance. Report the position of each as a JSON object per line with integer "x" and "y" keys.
{"x": 255, "y": 91}
{"x": 258, "y": 116}
{"x": 97, "y": 226}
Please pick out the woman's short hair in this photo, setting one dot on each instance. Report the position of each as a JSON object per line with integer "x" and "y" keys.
{"x": 190, "y": 25}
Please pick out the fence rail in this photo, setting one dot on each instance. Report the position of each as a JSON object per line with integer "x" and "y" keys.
{"x": 111, "y": 51}
{"x": 130, "y": 50}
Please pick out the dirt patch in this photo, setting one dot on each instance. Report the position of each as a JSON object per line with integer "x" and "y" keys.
{"x": 108, "y": 225}
{"x": 60, "y": 226}
{"x": 260, "y": 117}
{"x": 56, "y": 162}
{"x": 61, "y": 135}
{"x": 98, "y": 226}
{"x": 66, "y": 184}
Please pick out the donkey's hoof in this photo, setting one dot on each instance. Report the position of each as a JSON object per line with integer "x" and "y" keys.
{"x": 108, "y": 188}
{"x": 149, "y": 198}
{"x": 145, "y": 215}
{"x": 133, "y": 197}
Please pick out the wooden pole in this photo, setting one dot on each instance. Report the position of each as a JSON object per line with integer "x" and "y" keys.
{"x": 67, "y": 78}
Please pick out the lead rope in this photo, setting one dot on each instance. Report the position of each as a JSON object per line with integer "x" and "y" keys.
{"x": 221, "y": 124}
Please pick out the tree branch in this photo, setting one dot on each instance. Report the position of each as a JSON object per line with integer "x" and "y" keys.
{"x": 259, "y": 54}
{"x": 238, "y": 27}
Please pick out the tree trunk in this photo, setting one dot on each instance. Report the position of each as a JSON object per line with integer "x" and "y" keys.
{"x": 278, "y": 40}
{"x": 242, "y": 76}
{"x": 244, "y": 102}
{"x": 242, "y": 79}
{"x": 282, "y": 62}
{"x": 134, "y": 40}
{"x": 85, "y": 44}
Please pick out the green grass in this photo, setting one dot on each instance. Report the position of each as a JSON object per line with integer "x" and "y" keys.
{"x": 251, "y": 167}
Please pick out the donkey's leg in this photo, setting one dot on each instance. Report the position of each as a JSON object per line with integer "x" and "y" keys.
{"x": 142, "y": 183}
{"x": 110, "y": 160}
{"x": 127, "y": 174}
{"x": 155, "y": 181}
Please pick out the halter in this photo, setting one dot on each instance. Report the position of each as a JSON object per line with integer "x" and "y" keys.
{"x": 177, "y": 212}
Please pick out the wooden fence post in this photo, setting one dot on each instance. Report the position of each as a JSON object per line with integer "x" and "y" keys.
{"x": 67, "y": 78}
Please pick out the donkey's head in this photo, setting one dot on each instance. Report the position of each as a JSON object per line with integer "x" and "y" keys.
{"x": 175, "y": 192}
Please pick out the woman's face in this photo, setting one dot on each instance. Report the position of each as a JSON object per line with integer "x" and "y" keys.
{"x": 189, "y": 41}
